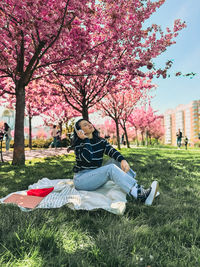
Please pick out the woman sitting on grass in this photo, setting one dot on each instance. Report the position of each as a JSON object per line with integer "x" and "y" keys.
{"x": 90, "y": 174}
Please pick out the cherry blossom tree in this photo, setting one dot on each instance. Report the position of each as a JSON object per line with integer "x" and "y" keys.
{"x": 125, "y": 45}
{"x": 41, "y": 134}
{"x": 142, "y": 119}
{"x": 36, "y": 35}
{"x": 130, "y": 131}
{"x": 156, "y": 129}
{"x": 134, "y": 121}
{"x": 40, "y": 38}
{"x": 60, "y": 113}
{"x": 83, "y": 93}
{"x": 119, "y": 105}
{"x": 107, "y": 128}
{"x": 37, "y": 102}
{"x": 130, "y": 100}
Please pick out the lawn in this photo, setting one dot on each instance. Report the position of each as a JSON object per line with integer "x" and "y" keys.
{"x": 165, "y": 234}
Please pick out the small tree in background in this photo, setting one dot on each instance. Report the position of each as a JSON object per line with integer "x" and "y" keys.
{"x": 142, "y": 119}
{"x": 118, "y": 106}
{"x": 156, "y": 129}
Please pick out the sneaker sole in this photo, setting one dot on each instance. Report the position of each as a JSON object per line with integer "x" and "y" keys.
{"x": 152, "y": 195}
{"x": 157, "y": 194}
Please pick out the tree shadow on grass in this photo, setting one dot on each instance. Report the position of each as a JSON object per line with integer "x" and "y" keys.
{"x": 34, "y": 238}
{"x": 168, "y": 170}
{"x": 59, "y": 237}
{"x": 17, "y": 178}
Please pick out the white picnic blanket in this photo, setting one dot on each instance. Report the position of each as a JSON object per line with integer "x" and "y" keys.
{"x": 109, "y": 197}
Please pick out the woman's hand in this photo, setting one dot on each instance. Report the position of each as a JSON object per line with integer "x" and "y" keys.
{"x": 125, "y": 166}
{"x": 81, "y": 134}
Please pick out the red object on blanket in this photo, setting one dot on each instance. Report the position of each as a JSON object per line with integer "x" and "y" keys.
{"x": 42, "y": 192}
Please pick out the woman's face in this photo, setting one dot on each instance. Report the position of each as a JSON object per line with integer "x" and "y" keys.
{"x": 86, "y": 126}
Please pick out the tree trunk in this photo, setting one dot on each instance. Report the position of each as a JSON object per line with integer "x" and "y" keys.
{"x": 85, "y": 113}
{"x": 18, "y": 153}
{"x": 117, "y": 132}
{"x": 150, "y": 139}
{"x": 157, "y": 140}
{"x": 126, "y": 135}
{"x": 60, "y": 126}
{"x": 146, "y": 138}
{"x": 142, "y": 133}
{"x": 30, "y": 132}
{"x": 136, "y": 137}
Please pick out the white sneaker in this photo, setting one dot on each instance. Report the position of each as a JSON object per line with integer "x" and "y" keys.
{"x": 157, "y": 194}
{"x": 154, "y": 189}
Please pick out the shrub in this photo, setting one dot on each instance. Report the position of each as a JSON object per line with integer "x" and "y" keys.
{"x": 65, "y": 142}
{"x": 62, "y": 143}
{"x": 39, "y": 143}
{"x": 197, "y": 143}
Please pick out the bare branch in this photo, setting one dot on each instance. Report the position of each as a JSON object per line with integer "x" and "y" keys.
{"x": 6, "y": 92}
{"x": 53, "y": 62}
{"x": 14, "y": 20}
{"x": 75, "y": 75}
{"x": 33, "y": 59}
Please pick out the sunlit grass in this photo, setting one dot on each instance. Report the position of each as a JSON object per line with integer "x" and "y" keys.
{"x": 165, "y": 234}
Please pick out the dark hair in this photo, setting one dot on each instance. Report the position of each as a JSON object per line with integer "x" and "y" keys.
{"x": 75, "y": 140}
{"x": 6, "y": 126}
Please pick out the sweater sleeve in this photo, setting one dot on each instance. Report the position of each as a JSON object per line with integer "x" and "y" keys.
{"x": 84, "y": 152}
{"x": 113, "y": 153}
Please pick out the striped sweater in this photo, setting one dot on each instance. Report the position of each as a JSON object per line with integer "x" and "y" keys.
{"x": 89, "y": 154}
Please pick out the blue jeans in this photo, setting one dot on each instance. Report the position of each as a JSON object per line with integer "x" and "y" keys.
{"x": 55, "y": 142}
{"x": 90, "y": 180}
{"x": 178, "y": 142}
{"x": 8, "y": 139}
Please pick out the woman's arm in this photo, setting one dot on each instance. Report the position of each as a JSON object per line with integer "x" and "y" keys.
{"x": 113, "y": 153}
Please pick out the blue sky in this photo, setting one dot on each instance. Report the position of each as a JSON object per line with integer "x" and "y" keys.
{"x": 185, "y": 53}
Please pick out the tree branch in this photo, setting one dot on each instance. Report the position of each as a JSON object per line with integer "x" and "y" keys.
{"x": 59, "y": 31}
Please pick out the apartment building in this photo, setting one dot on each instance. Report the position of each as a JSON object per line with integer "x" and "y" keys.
{"x": 183, "y": 117}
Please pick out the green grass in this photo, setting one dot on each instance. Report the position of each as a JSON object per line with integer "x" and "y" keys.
{"x": 166, "y": 234}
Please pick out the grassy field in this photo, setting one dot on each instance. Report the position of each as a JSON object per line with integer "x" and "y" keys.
{"x": 165, "y": 234}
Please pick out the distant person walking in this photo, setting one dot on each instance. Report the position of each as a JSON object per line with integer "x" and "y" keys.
{"x": 122, "y": 139}
{"x": 58, "y": 138}
{"x": 7, "y": 132}
{"x": 186, "y": 142}
{"x": 54, "y": 135}
{"x": 179, "y": 136}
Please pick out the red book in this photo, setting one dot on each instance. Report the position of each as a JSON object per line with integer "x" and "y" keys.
{"x": 23, "y": 200}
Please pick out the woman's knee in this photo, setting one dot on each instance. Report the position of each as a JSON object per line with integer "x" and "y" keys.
{"x": 113, "y": 167}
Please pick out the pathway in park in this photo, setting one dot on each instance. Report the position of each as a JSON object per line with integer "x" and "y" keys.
{"x": 42, "y": 153}
{"x": 39, "y": 153}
